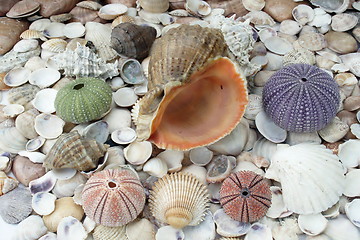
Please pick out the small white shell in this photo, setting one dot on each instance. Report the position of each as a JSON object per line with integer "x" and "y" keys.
{"x": 35, "y": 63}
{"x": 228, "y": 227}
{"x": 313, "y": 224}
{"x": 147, "y": 230}
{"x": 277, "y": 208}
{"x": 43, "y": 184}
{"x": 259, "y": 231}
{"x": 30, "y": 228}
{"x": 168, "y": 232}
{"x": 74, "y": 30}
{"x": 200, "y": 156}
{"x": 205, "y": 230}
{"x": 66, "y": 187}
{"x": 25, "y": 45}
{"x": 12, "y": 110}
{"x": 49, "y": 236}
{"x": 43, "y": 203}
{"x": 34, "y": 144}
{"x": 296, "y": 138}
{"x": 17, "y": 77}
{"x": 334, "y": 131}
{"x": 198, "y": 172}
{"x": 268, "y": 128}
{"x": 118, "y": 118}
{"x": 290, "y": 27}
{"x": 125, "y": 97}
{"x": 303, "y": 14}
{"x": 54, "y": 30}
{"x": 138, "y": 152}
{"x": 173, "y": 159}
{"x": 198, "y": 7}
{"x": 155, "y": 167}
{"x": 98, "y": 130}
{"x": 355, "y": 129}
{"x": 349, "y": 153}
{"x": 40, "y": 25}
{"x": 352, "y": 61}
{"x": 343, "y": 22}
{"x": 111, "y": 11}
{"x": 44, "y": 100}
{"x": 352, "y": 179}
{"x": 70, "y": 228}
{"x": 35, "y": 157}
{"x": 352, "y": 210}
{"x": 11, "y": 140}
{"x": 64, "y": 173}
{"x": 49, "y": 126}
{"x": 278, "y": 45}
{"x": 341, "y": 228}
{"x": 124, "y": 135}
{"x": 44, "y": 77}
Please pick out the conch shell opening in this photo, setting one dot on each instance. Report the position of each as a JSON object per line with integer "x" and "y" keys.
{"x": 201, "y": 111}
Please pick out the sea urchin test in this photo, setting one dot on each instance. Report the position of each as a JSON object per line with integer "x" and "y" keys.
{"x": 301, "y": 98}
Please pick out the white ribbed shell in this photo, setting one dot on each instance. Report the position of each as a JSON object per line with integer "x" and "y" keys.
{"x": 110, "y": 233}
{"x": 311, "y": 177}
{"x": 179, "y": 196}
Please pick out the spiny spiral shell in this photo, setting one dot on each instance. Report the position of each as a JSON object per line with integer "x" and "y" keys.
{"x": 113, "y": 197}
{"x": 82, "y": 62}
{"x": 301, "y": 98}
{"x": 132, "y": 41}
{"x": 83, "y": 100}
{"x": 179, "y": 199}
{"x": 72, "y": 151}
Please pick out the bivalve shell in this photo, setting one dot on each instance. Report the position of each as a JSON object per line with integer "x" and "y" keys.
{"x": 48, "y": 126}
{"x": 312, "y": 224}
{"x": 31, "y": 228}
{"x": 352, "y": 210}
{"x": 11, "y": 140}
{"x": 70, "y": 228}
{"x": 17, "y": 77}
{"x": 312, "y": 41}
{"x": 138, "y": 152}
{"x": 124, "y": 135}
{"x": 7, "y": 183}
{"x": 43, "y": 203}
{"x": 54, "y": 30}
{"x": 179, "y": 200}
{"x": 278, "y": 45}
{"x": 154, "y": 6}
{"x": 303, "y": 14}
{"x": 54, "y": 45}
{"x": 102, "y": 232}
{"x": 26, "y": 45}
{"x": 343, "y": 22}
{"x": 23, "y": 8}
{"x": 44, "y": 77}
{"x": 44, "y": 100}
{"x": 111, "y": 11}
{"x": 74, "y": 30}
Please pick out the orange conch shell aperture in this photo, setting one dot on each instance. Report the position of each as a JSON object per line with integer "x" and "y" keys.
{"x": 196, "y": 94}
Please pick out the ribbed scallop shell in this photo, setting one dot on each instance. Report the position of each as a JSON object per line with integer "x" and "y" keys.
{"x": 110, "y": 233}
{"x": 54, "y": 45}
{"x": 179, "y": 199}
{"x": 132, "y": 41}
{"x": 83, "y": 100}
{"x": 14, "y": 59}
{"x": 301, "y": 98}
{"x": 82, "y": 62}
{"x": 72, "y": 151}
{"x": 311, "y": 176}
{"x": 113, "y": 197}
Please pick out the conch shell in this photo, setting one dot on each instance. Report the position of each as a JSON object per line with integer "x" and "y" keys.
{"x": 195, "y": 96}
{"x": 72, "y": 151}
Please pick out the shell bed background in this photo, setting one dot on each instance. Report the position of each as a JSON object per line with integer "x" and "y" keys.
{"x": 89, "y": 166}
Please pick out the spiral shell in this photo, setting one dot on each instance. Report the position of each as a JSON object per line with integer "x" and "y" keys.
{"x": 83, "y": 100}
{"x": 113, "y": 197}
{"x": 179, "y": 200}
{"x": 301, "y": 98}
{"x": 72, "y": 151}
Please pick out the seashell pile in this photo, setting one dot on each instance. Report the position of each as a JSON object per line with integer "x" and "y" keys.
{"x": 179, "y": 119}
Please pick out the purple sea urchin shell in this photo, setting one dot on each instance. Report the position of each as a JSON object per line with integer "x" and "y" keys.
{"x": 301, "y": 98}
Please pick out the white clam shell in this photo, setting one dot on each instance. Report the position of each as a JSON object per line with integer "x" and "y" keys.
{"x": 125, "y": 97}
{"x": 227, "y": 227}
{"x": 124, "y": 135}
{"x": 17, "y": 77}
{"x": 343, "y": 22}
{"x": 294, "y": 138}
{"x": 311, "y": 177}
{"x": 233, "y": 143}
{"x": 197, "y": 171}
{"x": 66, "y": 187}
{"x": 277, "y": 208}
{"x": 138, "y": 152}
{"x": 44, "y": 77}
{"x": 303, "y": 14}
{"x": 40, "y": 25}
{"x": 25, "y": 45}
{"x": 74, "y": 30}
{"x": 168, "y": 232}
{"x": 312, "y": 224}
{"x": 266, "y": 33}
{"x": 155, "y": 167}
{"x": 54, "y": 30}
{"x": 118, "y": 118}
{"x": 4, "y": 161}
{"x": 349, "y": 153}
{"x": 64, "y": 173}
{"x": 200, "y": 156}
{"x": 198, "y": 7}
{"x": 35, "y": 63}
{"x": 290, "y": 27}
{"x": 43, "y": 203}
{"x": 43, "y": 184}
{"x": 116, "y": 83}
{"x": 321, "y": 18}
{"x": 44, "y": 100}
{"x": 70, "y": 228}
{"x": 248, "y": 166}
{"x": 98, "y": 130}
{"x": 352, "y": 210}
{"x": 49, "y": 236}
{"x": 278, "y": 45}
{"x": 147, "y": 230}
{"x": 334, "y": 131}
{"x": 268, "y": 128}
{"x": 259, "y": 231}
{"x": 352, "y": 60}
{"x": 34, "y": 144}
{"x": 111, "y": 11}
{"x": 49, "y": 126}
{"x": 205, "y": 230}
{"x": 355, "y": 129}
{"x": 173, "y": 159}
{"x": 12, "y": 110}
{"x": 35, "y": 157}
{"x": 30, "y": 228}
{"x": 275, "y": 62}
{"x": 352, "y": 188}
{"x": 11, "y": 140}
{"x": 341, "y": 228}
{"x": 131, "y": 71}
{"x": 89, "y": 224}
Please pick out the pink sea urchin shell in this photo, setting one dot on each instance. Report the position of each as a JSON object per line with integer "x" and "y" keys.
{"x": 113, "y": 197}
{"x": 245, "y": 196}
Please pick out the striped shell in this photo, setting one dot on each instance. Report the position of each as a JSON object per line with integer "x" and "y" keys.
{"x": 110, "y": 233}
{"x": 301, "y": 98}
{"x": 113, "y": 197}
{"x": 179, "y": 200}
{"x": 72, "y": 151}
{"x": 14, "y": 59}
{"x": 245, "y": 196}
{"x": 83, "y": 100}
{"x": 22, "y": 95}
{"x": 54, "y": 45}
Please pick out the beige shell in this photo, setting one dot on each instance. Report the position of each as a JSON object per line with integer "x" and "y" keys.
{"x": 32, "y": 34}
{"x": 179, "y": 200}
{"x": 300, "y": 55}
{"x": 22, "y": 95}
{"x": 54, "y": 45}
{"x": 71, "y": 151}
{"x": 93, "y": 5}
{"x": 154, "y": 6}
{"x": 110, "y": 233}
{"x": 7, "y": 183}
{"x": 122, "y": 19}
{"x": 84, "y": 15}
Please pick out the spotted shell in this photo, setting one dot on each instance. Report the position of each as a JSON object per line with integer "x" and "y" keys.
{"x": 245, "y": 196}
{"x": 83, "y": 100}
{"x": 301, "y": 98}
{"x": 22, "y": 95}
{"x": 113, "y": 197}
{"x": 72, "y": 151}
{"x": 132, "y": 41}
{"x": 185, "y": 65}
{"x": 179, "y": 199}
{"x": 14, "y": 59}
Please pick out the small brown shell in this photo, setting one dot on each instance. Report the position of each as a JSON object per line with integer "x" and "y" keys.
{"x": 132, "y": 41}
{"x": 49, "y": 8}
{"x": 230, "y": 6}
{"x": 71, "y": 151}
{"x": 89, "y": 5}
{"x": 84, "y": 15}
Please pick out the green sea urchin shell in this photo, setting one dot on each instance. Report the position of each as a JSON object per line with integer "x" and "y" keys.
{"x": 83, "y": 100}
